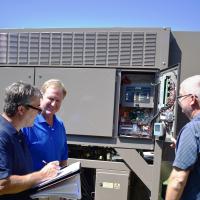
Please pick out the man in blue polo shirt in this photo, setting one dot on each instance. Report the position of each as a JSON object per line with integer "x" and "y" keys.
{"x": 184, "y": 180}
{"x": 47, "y": 139}
{"x": 21, "y": 105}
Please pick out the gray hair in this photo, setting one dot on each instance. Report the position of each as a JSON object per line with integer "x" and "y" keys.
{"x": 19, "y": 93}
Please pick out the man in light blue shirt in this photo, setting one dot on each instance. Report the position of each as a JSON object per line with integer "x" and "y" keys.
{"x": 47, "y": 138}
{"x": 185, "y": 176}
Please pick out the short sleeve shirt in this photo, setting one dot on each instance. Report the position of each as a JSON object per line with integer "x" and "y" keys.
{"x": 46, "y": 142}
{"x": 188, "y": 157}
{"x": 15, "y": 158}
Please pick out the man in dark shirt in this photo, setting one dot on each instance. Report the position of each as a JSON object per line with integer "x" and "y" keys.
{"x": 21, "y": 105}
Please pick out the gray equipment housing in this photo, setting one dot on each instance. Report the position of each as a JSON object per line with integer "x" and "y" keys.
{"x": 119, "y": 83}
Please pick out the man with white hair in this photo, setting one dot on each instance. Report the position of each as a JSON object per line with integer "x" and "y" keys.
{"x": 184, "y": 180}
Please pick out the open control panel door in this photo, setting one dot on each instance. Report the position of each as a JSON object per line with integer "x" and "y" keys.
{"x": 167, "y": 105}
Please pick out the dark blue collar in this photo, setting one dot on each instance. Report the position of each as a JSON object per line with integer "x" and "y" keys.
{"x": 7, "y": 126}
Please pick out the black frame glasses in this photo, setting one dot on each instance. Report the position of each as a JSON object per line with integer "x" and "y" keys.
{"x": 34, "y": 108}
{"x": 181, "y": 96}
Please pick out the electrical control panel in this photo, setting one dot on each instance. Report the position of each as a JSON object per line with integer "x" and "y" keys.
{"x": 137, "y": 104}
{"x": 148, "y": 98}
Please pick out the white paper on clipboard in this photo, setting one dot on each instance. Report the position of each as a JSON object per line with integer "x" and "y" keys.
{"x": 63, "y": 173}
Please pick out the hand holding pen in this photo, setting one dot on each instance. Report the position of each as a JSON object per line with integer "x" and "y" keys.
{"x": 62, "y": 167}
{"x": 50, "y": 170}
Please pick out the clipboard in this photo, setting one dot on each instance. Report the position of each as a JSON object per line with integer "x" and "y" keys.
{"x": 63, "y": 174}
{"x": 66, "y": 184}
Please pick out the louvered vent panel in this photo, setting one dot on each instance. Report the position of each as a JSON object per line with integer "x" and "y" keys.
{"x": 113, "y": 49}
{"x": 23, "y": 48}
{"x": 101, "y": 48}
{"x": 150, "y": 49}
{"x": 44, "y": 48}
{"x": 78, "y": 49}
{"x": 13, "y": 48}
{"x": 3, "y": 47}
{"x": 138, "y": 49}
{"x": 90, "y": 44}
{"x": 34, "y": 48}
{"x": 125, "y": 50}
{"x": 55, "y": 48}
{"x": 67, "y": 47}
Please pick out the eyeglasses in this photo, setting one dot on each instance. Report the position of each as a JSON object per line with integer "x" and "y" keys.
{"x": 34, "y": 108}
{"x": 183, "y": 96}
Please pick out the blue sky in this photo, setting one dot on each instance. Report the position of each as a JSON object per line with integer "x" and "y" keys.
{"x": 179, "y": 15}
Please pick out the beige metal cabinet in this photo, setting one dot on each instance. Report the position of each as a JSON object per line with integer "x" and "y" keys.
{"x": 89, "y": 105}
{"x": 9, "y": 75}
{"x": 111, "y": 184}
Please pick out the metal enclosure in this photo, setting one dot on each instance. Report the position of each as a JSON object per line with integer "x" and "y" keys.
{"x": 115, "y": 47}
{"x": 119, "y": 84}
{"x": 110, "y": 183}
{"x": 89, "y": 106}
{"x": 9, "y": 74}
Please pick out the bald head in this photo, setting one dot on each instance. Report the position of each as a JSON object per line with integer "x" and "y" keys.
{"x": 191, "y": 85}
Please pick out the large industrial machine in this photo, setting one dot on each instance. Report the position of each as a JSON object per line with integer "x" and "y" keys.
{"x": 121, "y": 110}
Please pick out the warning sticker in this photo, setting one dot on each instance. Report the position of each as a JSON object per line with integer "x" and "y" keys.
{"x": 107, "y": 185}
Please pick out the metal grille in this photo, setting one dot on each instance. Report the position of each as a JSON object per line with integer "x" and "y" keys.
{"x": 114, "y": 48}
{"x": 101, "y": 48}
{"x": 34, "y": 48}
{"x": 3, "y": 47}
{"x": 13, "y": 48}
{"x": 67, "y": 48}
{"x": 23, "y": 46}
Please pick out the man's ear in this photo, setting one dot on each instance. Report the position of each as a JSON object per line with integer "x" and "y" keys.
{"x": 21, "y": 110}
{"x": 193, "y": 100}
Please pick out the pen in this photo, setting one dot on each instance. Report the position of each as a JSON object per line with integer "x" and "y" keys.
{"x": 63, "y": 167}
{"x": 44, "y": 162}
{"x": 59, "y": 167}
